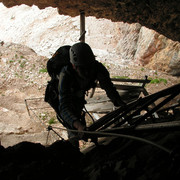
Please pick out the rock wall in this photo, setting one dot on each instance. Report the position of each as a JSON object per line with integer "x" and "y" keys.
{"x": 162, "y": 16}
{"x": 119, "y": 159}
{"x": 157, "y": 52}
{"x": 113, "y": 42}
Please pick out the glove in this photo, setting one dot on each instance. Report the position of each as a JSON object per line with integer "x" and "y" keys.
{"x": 78, "y": 125}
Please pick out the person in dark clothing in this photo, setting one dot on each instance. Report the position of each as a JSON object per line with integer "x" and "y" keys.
{"x": 76, "y": 79}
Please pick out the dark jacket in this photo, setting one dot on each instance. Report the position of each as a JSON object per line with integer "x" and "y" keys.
{"x": 72, "y": 90}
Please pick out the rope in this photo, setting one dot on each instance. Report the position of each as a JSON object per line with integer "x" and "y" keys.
{"x": 89, "y": 114}
{"x": 119, "y": 135}
{"x": 107, "y": 134}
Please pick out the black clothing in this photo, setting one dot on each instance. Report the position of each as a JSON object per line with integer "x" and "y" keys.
{"x": 72, "y": 90}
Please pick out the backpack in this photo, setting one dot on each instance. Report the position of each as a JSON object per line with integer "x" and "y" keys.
{"x": 54, "y": 66}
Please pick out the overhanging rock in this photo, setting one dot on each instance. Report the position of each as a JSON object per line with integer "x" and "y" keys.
{"x": 162, "y": 16}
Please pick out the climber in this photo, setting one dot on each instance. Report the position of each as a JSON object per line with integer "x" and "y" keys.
{"x": 76, "y": 79}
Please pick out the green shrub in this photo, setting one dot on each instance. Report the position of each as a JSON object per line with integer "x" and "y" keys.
{"x": 158, "y": 80}
{"x": 121, "y": 77}
{"x": 51, "y": 121}
{"x": 43, "y": 70}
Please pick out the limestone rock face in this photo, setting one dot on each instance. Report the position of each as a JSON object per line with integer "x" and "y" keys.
{"x": 158, "y": 52}
{"x": 162, "y": 16}
{"x": 146, "y": 46}
{"x": 113, "y": 42}
{"x": 128, "y": 39}
{"x": 174, "y": 64}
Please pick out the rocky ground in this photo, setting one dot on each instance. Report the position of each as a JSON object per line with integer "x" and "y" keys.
{"x": 23, "y": 77}
{"x": 20, "y": 79}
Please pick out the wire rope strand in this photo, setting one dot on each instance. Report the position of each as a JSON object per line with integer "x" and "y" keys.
{"x": 120, "y": 135}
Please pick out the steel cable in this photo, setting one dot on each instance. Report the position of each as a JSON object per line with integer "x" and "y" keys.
{"x": 118, "y": 135}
